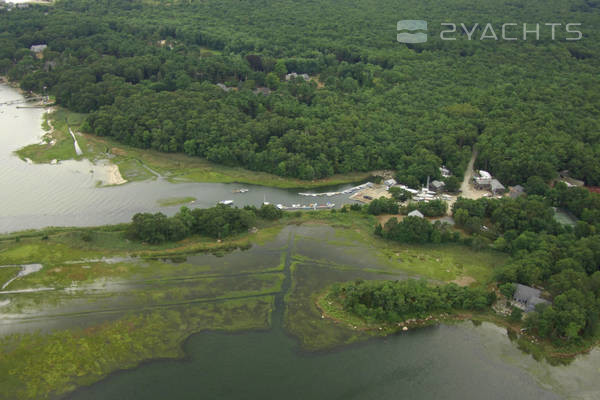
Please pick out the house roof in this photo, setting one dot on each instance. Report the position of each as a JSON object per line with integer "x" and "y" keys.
{"x": 438, "y": 184}
{"x": 496, "y": 185}
{"x": 485, "y": 174}
{"x": 593, "y": 189}
{"x": 415, "y": 213}
{"x": 528, "y": 296}
{"x": 516, "y": 191}
{"x": 38, "y": 48}
{"x": 224, "y": 87}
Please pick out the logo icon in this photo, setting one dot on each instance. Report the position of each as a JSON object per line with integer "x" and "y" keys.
{"x": 412, "y": 25}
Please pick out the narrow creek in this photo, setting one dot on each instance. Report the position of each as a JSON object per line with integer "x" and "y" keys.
{"x": 455, "y": 362}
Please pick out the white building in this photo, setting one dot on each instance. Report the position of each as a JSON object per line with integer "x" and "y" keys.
{"x": 416, "y": 213}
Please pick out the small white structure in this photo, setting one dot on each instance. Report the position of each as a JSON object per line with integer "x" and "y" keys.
{"x": 38, "y": 48}
{"x": 389, "y": 183}
{"x": 293, "y": 75}
{"x": 484, "y": 174}
{"x": 415, "y": 213}
{"x": 222, "y": 86}
{"x": 445, "y": 171}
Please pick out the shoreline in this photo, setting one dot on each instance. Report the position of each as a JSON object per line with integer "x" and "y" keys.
{"x": 535, "y": 345}
{"x": 177, "y": 167}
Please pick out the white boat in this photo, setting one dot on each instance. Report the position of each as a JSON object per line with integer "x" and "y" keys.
{"x": 226, "y": 202}
{"x": 243, "y": 190}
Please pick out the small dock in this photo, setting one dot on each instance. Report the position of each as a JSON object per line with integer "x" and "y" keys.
{"x": 21, "y": 101}
{"x": 300, "y": 207}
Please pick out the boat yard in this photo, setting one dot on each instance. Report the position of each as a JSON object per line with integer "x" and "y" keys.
{"x": 371, "y": 192}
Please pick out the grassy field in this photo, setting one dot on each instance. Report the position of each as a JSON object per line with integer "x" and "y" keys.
{"x": 441, "y": 262}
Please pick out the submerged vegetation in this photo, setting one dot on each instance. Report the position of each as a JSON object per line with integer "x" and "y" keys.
{"x": 40, "y": 366}
{"x": 173, "y": 291}
{"x": 175, "y": 201}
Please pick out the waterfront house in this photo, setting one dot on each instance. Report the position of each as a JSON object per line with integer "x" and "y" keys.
{"x": 224, "y": 87}
{"x": 528, "y": 297}
{"x": 570, "y": 182}
{"x": 445, "y": 171}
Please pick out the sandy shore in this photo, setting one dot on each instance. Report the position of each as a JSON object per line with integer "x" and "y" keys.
{"x": 114, "y": 175}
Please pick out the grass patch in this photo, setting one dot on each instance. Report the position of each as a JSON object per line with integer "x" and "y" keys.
{"x": 217, "y": 288}
{"x": 175, "y": 201}
{"x": 133, "y": 170}
{"x": 446, "y": 262}
{"x": 57, "y": 143}
{"x": 7, "y": 273}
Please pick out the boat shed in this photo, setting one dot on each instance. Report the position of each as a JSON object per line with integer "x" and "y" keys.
{"x": 496, "y": 187}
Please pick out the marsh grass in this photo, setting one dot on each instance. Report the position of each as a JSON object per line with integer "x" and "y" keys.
{"x": 41, "y": 366}
{"x": 175, "y": 201}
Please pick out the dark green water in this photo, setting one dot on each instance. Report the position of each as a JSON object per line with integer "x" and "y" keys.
{"x": 445, "y": 362}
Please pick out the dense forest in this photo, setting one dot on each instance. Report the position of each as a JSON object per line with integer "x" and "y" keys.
{"x": 147, "y": 74}
{"x": 218, "y": 222}
{"x": 562, "y": 259}
{"x": 401, "y": 300}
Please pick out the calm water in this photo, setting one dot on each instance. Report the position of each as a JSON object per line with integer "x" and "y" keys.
{"x": 35, "y": 196}
{"x": 447, "y": 362}
{"x": 461, "y": 361}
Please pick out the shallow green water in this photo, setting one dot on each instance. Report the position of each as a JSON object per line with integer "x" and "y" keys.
{"x": 447, "y": 362}
{"x": 461, "y": 361}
